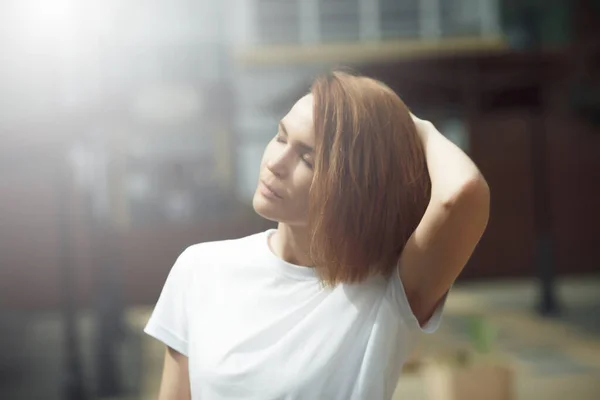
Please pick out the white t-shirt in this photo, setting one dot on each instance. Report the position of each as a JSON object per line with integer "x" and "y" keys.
{"x": 256, "y": 327}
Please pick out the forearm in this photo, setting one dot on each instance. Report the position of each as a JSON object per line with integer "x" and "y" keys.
{"x": 451, "y": 227}
{"x": 451, "y": 171}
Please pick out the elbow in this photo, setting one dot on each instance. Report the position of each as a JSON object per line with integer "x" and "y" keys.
{"x": 470, "y": 205}
{"x": 473, "y": 194}
{"x": 477, "y": 189}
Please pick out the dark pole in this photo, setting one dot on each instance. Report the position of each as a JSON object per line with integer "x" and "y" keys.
{"x": 109, "y": 318}
{"x": 110, "y": 328}
{"x": 543, "y": 241}
{"x": 72, "y": 381}
{"x": 542, "y": 219}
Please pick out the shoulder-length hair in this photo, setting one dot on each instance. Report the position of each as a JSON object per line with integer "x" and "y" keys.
{"x": 370, "y": 186}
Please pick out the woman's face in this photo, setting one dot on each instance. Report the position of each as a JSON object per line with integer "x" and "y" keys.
{"x": 286, "y": 169}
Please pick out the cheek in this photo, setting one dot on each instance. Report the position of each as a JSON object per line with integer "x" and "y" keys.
{"x": 303, "y": 181}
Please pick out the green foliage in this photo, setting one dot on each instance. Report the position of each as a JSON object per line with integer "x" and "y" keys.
{"x": 482, "y": 334}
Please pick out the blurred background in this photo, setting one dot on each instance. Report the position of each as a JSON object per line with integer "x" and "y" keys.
{"x": 131, "y": 129}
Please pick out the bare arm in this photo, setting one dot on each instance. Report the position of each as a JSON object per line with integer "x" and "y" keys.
{"x": 454, "y": 221}
{"x": 175, "y": 383}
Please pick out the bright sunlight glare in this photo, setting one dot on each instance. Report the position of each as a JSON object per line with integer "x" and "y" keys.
{"x": 44, "y": 22}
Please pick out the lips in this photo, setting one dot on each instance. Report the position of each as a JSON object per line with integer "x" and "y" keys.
{"x": 270, "y": 189}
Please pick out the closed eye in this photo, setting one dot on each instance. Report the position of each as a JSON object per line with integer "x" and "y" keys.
{"x": 306, "y": 160}
{"x": 303, "y": 150}
{"x": 280, "y": 139}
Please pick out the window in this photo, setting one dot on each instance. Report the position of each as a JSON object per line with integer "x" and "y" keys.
{"x": 461, "y": 18}
{"x": 322, "y": 21}
{"x": 278, "y": 21}
{"x": 339, "y": 20}
{"x": 399, "y": 19}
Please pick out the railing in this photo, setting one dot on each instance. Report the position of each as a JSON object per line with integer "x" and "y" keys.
{"x": 309, "y": 22}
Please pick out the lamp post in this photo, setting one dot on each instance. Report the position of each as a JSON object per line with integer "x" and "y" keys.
{"x": 73, "y": 387}
{"x": 542, "y": 220}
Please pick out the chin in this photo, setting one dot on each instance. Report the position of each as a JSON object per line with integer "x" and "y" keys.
{"x": 277, "y": 212}
{"x": 264, "y": 209}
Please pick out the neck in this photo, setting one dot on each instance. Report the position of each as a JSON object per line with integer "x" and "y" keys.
{"x": 291, "y": 244}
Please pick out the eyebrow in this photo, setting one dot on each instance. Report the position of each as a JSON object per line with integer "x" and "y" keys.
{"x": 304, "y": 147}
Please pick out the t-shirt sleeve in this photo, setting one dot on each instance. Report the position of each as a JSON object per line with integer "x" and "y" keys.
{"x": 398, "y": 295}
{"x": 169, "y": 320}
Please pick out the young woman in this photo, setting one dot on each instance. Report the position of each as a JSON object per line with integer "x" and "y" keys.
{"x": 377, "y": 215}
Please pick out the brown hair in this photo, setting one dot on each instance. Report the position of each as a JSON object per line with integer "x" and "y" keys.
{"x": 370, "y": 186}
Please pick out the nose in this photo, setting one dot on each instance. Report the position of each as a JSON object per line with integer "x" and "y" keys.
{"x": 277, "y": 165}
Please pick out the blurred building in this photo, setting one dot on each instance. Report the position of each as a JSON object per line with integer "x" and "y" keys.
{"x": 132, "y": 129}
{"x": 161, "y": 112}
{"x": 510, "y": 82}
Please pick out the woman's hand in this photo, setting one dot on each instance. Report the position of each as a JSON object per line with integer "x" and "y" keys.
{"x": 423, "y": 127}
{"x": 450, "y": 169}
{"x": 416, "y": 119}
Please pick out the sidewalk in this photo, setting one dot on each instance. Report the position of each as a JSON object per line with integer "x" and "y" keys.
{"x": 554, "y": 359}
